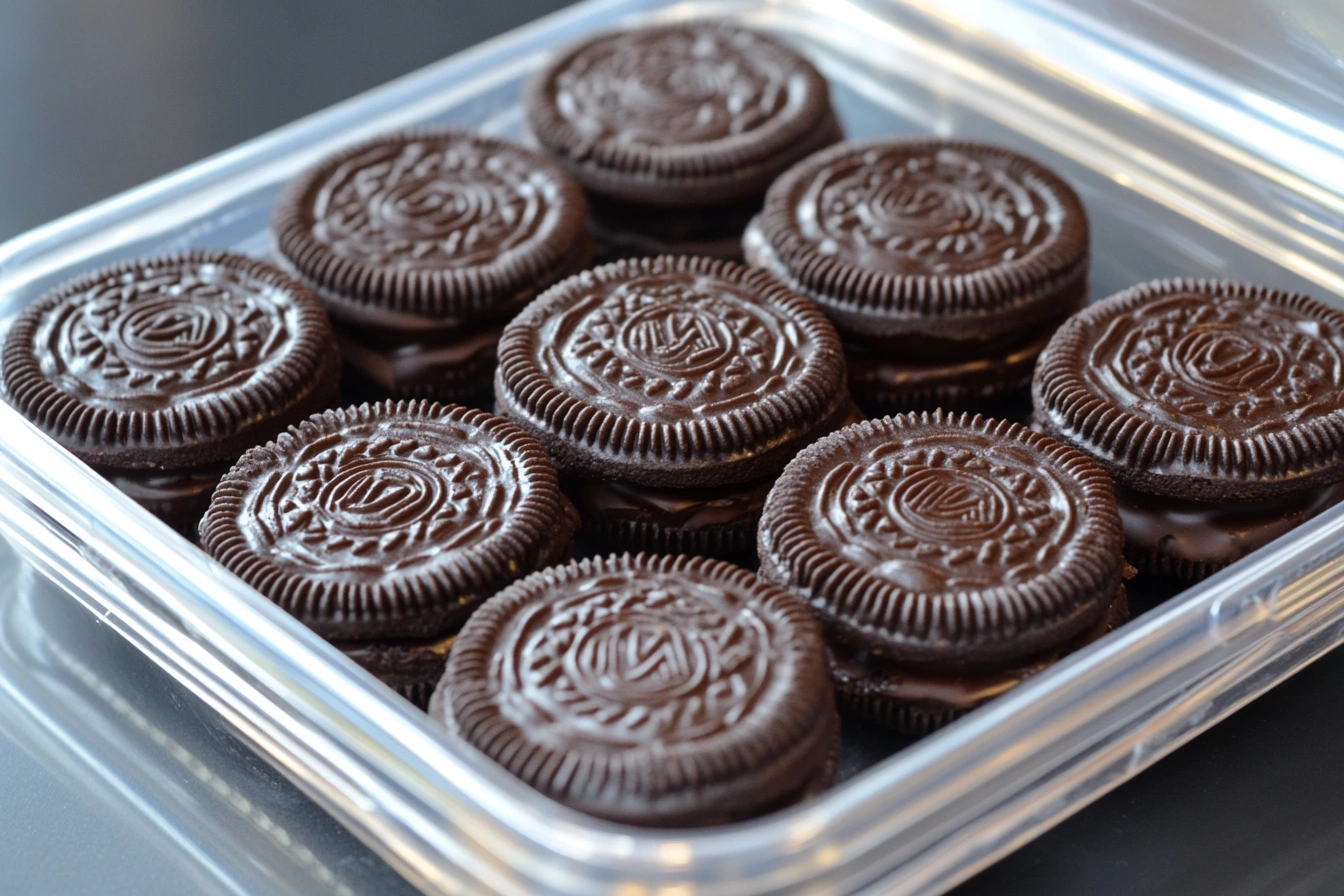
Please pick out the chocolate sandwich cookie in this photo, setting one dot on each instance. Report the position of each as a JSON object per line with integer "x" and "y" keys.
{"x": 669, "y": 392}
{"x": 677, "y": 130}
{"x": 945, "y": 265}
{"x": 422, "y": 245}
{"x": 382, "y": 527}
{"x": 1217, "y": 407}
{"x": 160, "y": 373}
{"x": 658, "y": 691}
{"x": 948, "y": 557}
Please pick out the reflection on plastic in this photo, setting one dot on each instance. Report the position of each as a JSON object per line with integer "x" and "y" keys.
{"x": 99, "y": 711}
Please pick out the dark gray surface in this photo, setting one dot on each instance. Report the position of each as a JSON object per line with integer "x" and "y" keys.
{"x": 96, "y": 97}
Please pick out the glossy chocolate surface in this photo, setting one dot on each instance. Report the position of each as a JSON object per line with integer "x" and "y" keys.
{"x": 178, "y": 497}
{"x": 945, "y": 540}
{"x": 437, "y": 223}
{"x": 865, "y": 676}
{"x": 1212, "y": 535}
{"x": 652, "y": 690}
{"x": 956, "y": 240}
{"x": 683, "y": 372}
{"x": 1201, "y": 389}
{"x": 391, "y": 520}
{"x": 691, "y": 114}
{"x": 172, "y": 362}
{"x": 670, "y": 507}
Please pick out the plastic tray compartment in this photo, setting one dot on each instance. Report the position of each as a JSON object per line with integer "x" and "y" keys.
{"x": 1181, "y": 175}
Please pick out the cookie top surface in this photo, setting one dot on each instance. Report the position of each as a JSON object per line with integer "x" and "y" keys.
{"x": 891, "y": 229}
{"x": 434, "y": 222}
{"x": 169, "y": 362}
{"x": 642, "y": 688}
{"x": 945, "y": 540}
{"x": 671, "y": 371}
{"x": 1201, "y": 389}
{"x": 387, "y": 520}
{"x": 650, "y": 113}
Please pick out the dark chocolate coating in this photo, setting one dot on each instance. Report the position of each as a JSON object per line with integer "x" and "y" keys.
{"x": 431, "y": 227}
{"x": 625, "y": 230}
{"x": 411, "y": 668}
{"x": 171, "y": 363}
{"x": 1201, "y": 389}
{"x": 684, "y": 372}
{"x": 389, "y": 521}
{"x": 941, "y": 540}
{"x": 178, "y": 497}
{"x": 886, "y": 381}
{"x": 913, "y": 701}
{"x": 437, "y": 366}
{"x": 1191, "y": 540}
{"x": 662, "y": 691}
{"x": 708, "y": 522}
{"x": 951, "y": 241}
{"x": 685, "y": 115}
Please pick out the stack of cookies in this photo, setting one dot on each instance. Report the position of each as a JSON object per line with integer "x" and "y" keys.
{"x": 677, "y": 130}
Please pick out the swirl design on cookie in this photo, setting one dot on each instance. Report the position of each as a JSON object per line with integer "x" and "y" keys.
{"x": 935, "y": 539}
{"x": 382, "y": 496}
{"x": 672, "y": 346}
{"x": 674, "y": 86}
{"x": 1182, "y": 360}
{"x": 431, "y": 202}
{"x": 926, "y": 210}
{"x": 932, "y": 514}
{"x": 638, "y": 687}
{"x": 167, "y": 336}
{"x": 392, "y": 520}
{"x": 628, "y": 661}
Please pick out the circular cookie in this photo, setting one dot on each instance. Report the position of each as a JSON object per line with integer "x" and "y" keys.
{"x": 661, "y": 691}
{"x": 171, "y": 363}
{"x": 692, "y": 114}
{"x": 684, "y": 372}
{"x": 440, "y": 224}
{"x": 392, "y": 520}
{"x": 1201, "y": 390}
{"x": 945, "y": 542}
{"x": 907, "y": 240}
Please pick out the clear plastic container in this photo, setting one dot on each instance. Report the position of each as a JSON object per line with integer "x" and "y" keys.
{"x": 1184, "y": 170}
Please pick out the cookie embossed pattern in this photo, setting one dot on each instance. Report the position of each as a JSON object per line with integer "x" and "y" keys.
{"x": 429, "y": 222}
{"x": 688, "y": 115}
{"x": 388, "y": 521}
{"x": 421, "y": 245}
{"x": 670, "y": 371}
{"x": 668, "y": 391}
{"x": 944, "y": 264}
{"x": 1217, "y": 407}
{"x": 940, "y": 211}
{"x": 949, "y": 558}
{"x": 665, "y": 691}
{"x": 159, "y": 373}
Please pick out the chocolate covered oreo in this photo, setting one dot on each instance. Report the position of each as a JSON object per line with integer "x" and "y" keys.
{"x": 383, "y": 526}
{"x": 657, "y": 691}
{"x": 676, "y": 130}
{"x": 948, "y": 558}
{"x": 668, "y": 391}
{"x": 945, "y": 265}
{"x": 159, "y": 373}
{"x": 1217, "y": 407}
{"x": 422, "y": 245}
